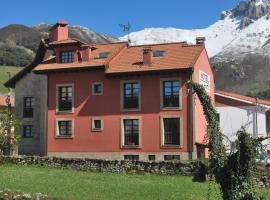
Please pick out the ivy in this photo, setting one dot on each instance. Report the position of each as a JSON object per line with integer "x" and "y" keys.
{"x": 235, "y": 172}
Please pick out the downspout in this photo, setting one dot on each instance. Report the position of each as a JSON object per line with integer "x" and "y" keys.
{"x": 192, "y": 99}
{"x": 256, "y": 118}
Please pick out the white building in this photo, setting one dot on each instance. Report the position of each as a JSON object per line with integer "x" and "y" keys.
{"x": 237, "y": 110}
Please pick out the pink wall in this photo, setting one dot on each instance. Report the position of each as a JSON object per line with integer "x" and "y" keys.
{"x": 201, "y": 124}
{"x": 107, "y": 106}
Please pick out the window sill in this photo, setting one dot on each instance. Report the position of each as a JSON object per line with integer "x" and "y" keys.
{"x": 64, "y": 137}
{"x": 131, "y": 147}
{"x": 130, "y": 110}
{"x": 170, "y": 146}
{"x": 64, "y": 112}
{"x": 96, "y": 130}
{"x": 170, "y": 108}
{"x": 97, "y": 94}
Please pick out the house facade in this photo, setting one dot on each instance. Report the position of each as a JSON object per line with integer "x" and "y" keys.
{"x": 112, "y": 101}
{"x": 236, "y": 111}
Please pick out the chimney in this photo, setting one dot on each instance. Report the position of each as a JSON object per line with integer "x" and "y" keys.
{"x": 147, "y": 56}
{"x": 87, "y": 53}
{"x": 59, "y": 31}
{"x": 200, "y": 40}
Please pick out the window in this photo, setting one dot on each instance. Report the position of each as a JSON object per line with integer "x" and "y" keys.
{"x": 158, "y": 53}
{"x": 170, "y": 93}
{"x": 97, "y": 124}
{"x": 67, "y": 57}
{"x": 171, "y": 157}
{"x": 65, "y": 98}
{"x": 102, "y": 55}
{"x": 131, "y": 95}
{"x": 131, "y": 157}
{"x": 151, "y": 157}
{"x": 28, "y": 107}
{"x": 97, "y": 88}
{"x": 170, "y": 131}
{"x": 131, "y": 132}
{"x": 205, "y": 81}
{"x": 28, "y": 131}
{"x": 64, "y": 128}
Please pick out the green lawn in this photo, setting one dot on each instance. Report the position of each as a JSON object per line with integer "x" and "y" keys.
{"x": 71, "y": 184}
{"x": 4, "y": 76}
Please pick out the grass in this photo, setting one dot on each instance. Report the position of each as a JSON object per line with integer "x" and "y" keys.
{"x": 71, "y": 184}
{"x": 4, "y": 76}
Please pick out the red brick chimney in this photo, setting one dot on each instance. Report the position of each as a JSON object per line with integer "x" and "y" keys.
{"x": 147, "y": 56}
{"x": 59, "y": 31}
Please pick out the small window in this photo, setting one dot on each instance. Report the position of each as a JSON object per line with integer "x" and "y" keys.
{"x": 152, "y": 157}
{"x": 67, "y": 57}
{"x": 131, "y": 93}
{"x": 171, "y": 157}
{"x": 171, "y": 91}
{"x": 97, "y": 89}
{"x": 97, "y": 124}
{"x": 171, "y": 131}
{"x": 28, "y": 131}
{"x": 158, "y": 53}
{"x": 28, "y": 107}
{"x": 65, "y": 98}
{"x": 64, "y": 128}
{"x": 102, "y": 55}
{"x": 131, "y": 157}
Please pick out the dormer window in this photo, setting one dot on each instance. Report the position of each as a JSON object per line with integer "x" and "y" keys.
{"x": 158, "y": 53}
{"x": 67, "y": 57}
{"x": 102, "y": 55}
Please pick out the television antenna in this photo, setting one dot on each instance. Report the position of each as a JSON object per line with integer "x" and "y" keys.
{"x": 126, "y": 29}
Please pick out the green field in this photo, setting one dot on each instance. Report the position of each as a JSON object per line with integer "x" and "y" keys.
{"x": 4, "y": 76}
{"x": 71, "y": 184}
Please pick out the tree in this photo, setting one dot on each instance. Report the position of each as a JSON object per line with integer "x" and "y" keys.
{"x": 235, "y": 172}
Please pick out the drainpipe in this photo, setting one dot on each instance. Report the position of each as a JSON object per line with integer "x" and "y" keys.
{"x": 256, "y": 118}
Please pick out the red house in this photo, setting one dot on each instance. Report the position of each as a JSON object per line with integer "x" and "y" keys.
{"x": 115, "y": 101}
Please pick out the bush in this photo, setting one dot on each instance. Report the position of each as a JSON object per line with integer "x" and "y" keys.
{"x": 200, "y": 170}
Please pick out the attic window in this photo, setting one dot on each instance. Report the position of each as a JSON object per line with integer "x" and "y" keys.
{"x": 158, "y": 53}
{"x": 102, "y": 55}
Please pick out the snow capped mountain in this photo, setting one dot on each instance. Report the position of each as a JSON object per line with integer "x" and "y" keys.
{"x": 244, "y": 29}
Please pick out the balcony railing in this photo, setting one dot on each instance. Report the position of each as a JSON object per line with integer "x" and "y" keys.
{"x": 65, "y": 105}
{"x": 28, "y": 112}
{"x": 131, "y": 102}
{"x": 171, "y": 101}
{"x": 132, "y": 140}
{"x": 171, "y": 138}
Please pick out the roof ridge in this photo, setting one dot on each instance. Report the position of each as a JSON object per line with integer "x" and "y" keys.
{"x": 156, "y": 44}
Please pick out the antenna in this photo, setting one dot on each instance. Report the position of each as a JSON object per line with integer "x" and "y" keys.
{"x": 126, "y": 29}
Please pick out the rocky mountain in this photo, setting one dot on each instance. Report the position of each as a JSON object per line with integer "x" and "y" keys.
{"x": 238, "y": 45}
{"x": 18, "y": 43}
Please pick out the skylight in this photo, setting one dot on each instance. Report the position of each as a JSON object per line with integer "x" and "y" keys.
{"x": 158, "y": 53}
{"x": 102, "y": 55}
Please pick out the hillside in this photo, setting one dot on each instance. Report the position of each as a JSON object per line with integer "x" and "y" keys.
{"x": 18, "y": 43}
{"x": 4, "y": 70}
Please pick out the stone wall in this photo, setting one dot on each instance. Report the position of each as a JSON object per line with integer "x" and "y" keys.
{"x": 169, "y": 168}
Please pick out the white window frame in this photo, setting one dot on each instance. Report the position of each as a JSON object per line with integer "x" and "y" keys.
{"x": 162, "y": 145}
{"x": 161, "y": 93}
{"x": 206, "y": 87}
{"x": 122, "y": 142}
{"x": 93, "y": 88}
{"x": 122, "y": 95}
{"x": 57, "y": 97}
{"x": 93, "y": 129}
{"x": 57, "y": 127}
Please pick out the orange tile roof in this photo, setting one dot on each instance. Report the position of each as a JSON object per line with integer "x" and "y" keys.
{"x": 126, "y": 58}
{"x": 66, "y": 41}
{"x": 242, "y": 97}
{"x": 114, "y": 48}
{"x": 177, "y": 56}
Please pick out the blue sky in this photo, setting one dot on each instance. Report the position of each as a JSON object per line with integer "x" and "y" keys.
{"x": 104, "y": 15}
